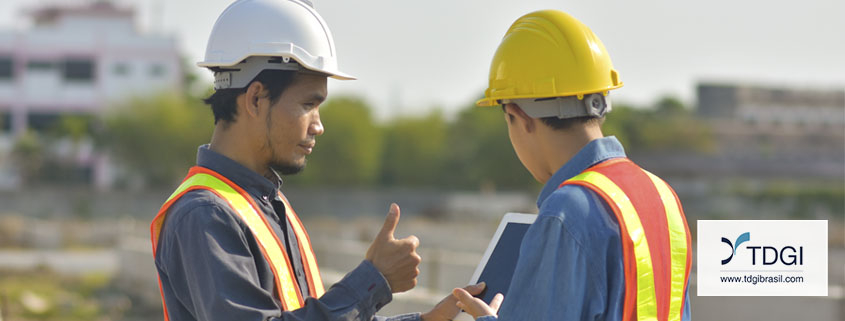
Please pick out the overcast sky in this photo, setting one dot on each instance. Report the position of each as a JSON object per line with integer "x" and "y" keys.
{"x": 412, "y": 56}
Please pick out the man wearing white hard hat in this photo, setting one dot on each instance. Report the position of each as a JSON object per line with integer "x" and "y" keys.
{"x": 227, "y": 243}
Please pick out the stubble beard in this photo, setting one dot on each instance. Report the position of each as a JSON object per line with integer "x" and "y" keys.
{"x": 276, "y": 163}
{"x": 286, "y": 168}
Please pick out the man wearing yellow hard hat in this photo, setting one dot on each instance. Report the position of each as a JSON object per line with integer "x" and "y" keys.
{"x": 611, "y": 241}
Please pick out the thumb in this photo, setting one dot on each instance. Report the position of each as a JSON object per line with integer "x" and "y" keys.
{"x": 475, "y": 289}
{"x": 390, "y": 223}
{"x": 497, "y": 301}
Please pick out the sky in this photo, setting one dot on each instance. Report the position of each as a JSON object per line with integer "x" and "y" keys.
{"x": 411, "y": 57}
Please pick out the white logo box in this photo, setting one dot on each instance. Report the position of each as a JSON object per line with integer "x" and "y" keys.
{"x": 800, "y": 268}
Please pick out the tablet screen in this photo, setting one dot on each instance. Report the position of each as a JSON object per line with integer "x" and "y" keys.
{"x": 499, "y": 261}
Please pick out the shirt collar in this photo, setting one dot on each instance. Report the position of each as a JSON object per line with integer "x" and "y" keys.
{"x": 253, "y": 183}
{"x": 593, "y": 153}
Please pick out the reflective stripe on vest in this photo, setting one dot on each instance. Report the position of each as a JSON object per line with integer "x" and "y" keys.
{"x": 315, "y": 282}
{"x": 655, "y": 237}
{"x": 250, "y": 214}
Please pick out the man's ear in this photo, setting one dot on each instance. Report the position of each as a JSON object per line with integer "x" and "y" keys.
{"x": 250, "y": 98}
{"x": 518, "y": 117}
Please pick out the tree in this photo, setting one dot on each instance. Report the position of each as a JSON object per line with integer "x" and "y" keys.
{"x": 157, "y": 137}
{"x": 349, "y": 152}
{"x": 666, "y": 126}
{"x": 480, "y": 151}
{"x": 414, "y": 151}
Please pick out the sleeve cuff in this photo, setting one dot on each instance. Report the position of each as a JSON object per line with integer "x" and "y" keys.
{"x": 367, "y": 284}
{"x": 405, "y": 317}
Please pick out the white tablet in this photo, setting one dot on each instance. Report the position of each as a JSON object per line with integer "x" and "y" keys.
{"x": 499, "y": 261}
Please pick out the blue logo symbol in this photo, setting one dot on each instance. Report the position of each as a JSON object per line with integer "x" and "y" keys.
{"x": 744, "y": 237}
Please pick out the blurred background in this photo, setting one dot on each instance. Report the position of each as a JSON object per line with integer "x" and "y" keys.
{"x": 739, "y": 105}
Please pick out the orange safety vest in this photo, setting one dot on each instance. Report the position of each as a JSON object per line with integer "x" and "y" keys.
{"x": 249, "y": 213}
{"x": 655, "y": 238}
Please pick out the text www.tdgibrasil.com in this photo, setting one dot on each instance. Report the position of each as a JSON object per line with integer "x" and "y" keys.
{"x": 759, "y": 278}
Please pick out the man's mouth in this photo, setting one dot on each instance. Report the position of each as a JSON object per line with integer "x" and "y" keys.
{"x": 308, "y": 147}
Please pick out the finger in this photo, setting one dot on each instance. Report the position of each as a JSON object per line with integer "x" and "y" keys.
{"x": 476, "y": 288}
{"x": 413, "y": 240}
{"x": 497, "y": 301}
{"x": 462, "y": 295}
{"x": 390, "y": 223}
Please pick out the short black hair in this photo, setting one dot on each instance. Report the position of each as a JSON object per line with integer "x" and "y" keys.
{"x": 224, "y": 104}
{"x": 567, "y": 123}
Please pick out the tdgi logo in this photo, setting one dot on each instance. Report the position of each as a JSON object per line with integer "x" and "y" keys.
{"x": 785, "y": 258}
{"x": 744, "y": 237}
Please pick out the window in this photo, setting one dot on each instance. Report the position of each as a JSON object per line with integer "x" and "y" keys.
{"x": 42, "y": 121}
{"x": 121, "y": 69}
{"x": 157, "y": 70}
{"x": 5, "y": 122}
{"x": 7, "y": 68}
{"x": 78, "y": 70}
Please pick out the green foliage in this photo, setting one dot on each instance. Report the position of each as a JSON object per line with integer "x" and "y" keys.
{"x": 469, "y": 153}
{"x": 667, "y": 126}
{"x": 349, "y": 152}
{"x": 481, "y": 152}
{"x": 414, "y": 151}
{"x": 43, "y": 295}
{"x": 157, "y": 137}
{"x": 29, "y": 154}
{"x": 75, "y": 127}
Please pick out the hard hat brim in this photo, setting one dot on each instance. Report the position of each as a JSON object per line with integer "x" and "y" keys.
{"x": 493, "y": 101}
{"x": 336, "y": 74}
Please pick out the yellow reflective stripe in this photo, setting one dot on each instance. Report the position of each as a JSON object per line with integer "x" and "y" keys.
{"x": 306, "y": 247}
{"x": 262, "y": 233}
{"x": 646, "y": 297}
{"x": 678, "y": 242}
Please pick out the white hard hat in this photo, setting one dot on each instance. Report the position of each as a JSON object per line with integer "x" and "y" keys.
{"x": 279, "y": 30}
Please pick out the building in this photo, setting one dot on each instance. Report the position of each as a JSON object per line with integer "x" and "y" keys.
{"x": 78, "y": 60}
{"x": 776, "y": 132}
{"x": 772, "y": 106}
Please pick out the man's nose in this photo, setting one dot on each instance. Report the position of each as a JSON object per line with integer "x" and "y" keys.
{"x": 316, "y": 127}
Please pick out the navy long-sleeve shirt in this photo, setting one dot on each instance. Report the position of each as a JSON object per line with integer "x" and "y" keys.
{"x": 211, "y": 266}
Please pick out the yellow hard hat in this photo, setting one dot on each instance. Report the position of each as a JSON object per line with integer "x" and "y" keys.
{"x": 549, "y": 53}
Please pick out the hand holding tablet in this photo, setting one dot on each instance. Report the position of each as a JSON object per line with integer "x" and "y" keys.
{"x": 499, "y": 260}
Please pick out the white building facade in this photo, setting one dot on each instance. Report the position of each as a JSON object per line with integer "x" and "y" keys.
{"x": 79, "y": 60}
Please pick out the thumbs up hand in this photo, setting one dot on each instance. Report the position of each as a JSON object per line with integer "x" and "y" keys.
{"x": 396, "y": 259}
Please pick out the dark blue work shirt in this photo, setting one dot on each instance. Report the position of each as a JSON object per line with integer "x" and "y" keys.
{"x": 211, "y": 266}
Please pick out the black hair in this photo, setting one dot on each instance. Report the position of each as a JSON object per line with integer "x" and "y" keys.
{"x": 224, "y": 104}
{"x": 564, "y": 124}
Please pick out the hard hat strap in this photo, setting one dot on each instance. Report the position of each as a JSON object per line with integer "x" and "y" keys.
{"x": 595, "y": 105}
{"x": 240, "y": 75}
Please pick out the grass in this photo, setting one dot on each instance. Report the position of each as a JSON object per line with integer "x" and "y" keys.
{"x": 44, "y": 295}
